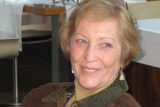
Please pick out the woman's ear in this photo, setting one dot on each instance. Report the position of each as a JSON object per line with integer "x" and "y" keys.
{"x": 122, "y": 65}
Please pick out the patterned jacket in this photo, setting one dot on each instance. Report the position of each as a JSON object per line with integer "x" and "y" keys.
{"x": 57, "y": 95}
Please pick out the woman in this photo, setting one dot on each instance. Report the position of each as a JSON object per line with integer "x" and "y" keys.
{"x": 100, "y": 39}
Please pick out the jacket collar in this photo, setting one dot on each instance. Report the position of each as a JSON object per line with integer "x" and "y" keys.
{"x": 104, "y": 97}
{"x": 100, "y": 99}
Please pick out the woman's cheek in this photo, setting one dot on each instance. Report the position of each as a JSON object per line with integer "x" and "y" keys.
{"x": 108, "y": 58}
{"x": 76, "y": 51}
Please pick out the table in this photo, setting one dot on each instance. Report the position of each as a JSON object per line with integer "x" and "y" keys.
{"x": 54, "y": 12}
{"x": 149, "y": 30}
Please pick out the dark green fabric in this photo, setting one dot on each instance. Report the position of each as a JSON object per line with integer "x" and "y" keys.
{"x": 101, "y": 99}
{"x": 104, "y": 97}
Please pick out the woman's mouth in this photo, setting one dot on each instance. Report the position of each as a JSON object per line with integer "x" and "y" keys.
{"x": 89, "y": 69}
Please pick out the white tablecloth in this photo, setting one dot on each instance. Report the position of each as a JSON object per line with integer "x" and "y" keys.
{"x": 150, "y": 41}
{"x": 11, "y": 16}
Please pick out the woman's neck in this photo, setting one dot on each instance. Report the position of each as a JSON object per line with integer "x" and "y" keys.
{"x": 81, "y": 92}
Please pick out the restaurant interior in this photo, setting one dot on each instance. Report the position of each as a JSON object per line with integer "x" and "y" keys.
{"x": 34, "y": 58}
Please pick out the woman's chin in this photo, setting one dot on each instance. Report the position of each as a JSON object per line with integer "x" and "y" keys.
{"x": 88, "y": 84}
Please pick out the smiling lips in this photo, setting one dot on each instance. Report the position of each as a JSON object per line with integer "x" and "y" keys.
{"x": 90, "y": 69}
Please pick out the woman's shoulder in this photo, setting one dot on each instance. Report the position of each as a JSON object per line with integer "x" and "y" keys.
{"x": 53, "y": 86}
{"x": 49, "y": 87}
{"x": 125, "y": 100}
{"x": 35, "y": 95}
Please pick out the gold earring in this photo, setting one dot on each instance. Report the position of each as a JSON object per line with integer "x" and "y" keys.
{"x": 122, "y": 76}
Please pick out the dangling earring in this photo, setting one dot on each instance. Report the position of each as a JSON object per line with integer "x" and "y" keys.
{"x": 72, "y": 71}
{"x": 122, "y": 76}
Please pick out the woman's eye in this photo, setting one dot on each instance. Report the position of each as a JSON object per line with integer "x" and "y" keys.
{"x": 80, "y": 41}
{"x": 106, "y": 45}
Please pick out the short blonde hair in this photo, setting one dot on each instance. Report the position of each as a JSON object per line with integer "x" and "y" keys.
{"x": 101, "y": 10}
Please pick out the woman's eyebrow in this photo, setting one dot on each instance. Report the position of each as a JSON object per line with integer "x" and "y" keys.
{"x": 80, "y": 34}
{"x": 106, "y": 38}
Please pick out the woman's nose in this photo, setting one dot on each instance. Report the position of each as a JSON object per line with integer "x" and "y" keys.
{"x": 90, "y": 54}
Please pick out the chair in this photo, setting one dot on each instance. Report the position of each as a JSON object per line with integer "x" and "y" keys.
{"x": 10, "y": 49}
{"x": 36, "y": 33}
{"x": 31, "y": 34}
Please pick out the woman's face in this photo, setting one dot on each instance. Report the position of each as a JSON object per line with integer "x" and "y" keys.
{"x": 95, "y": 52}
